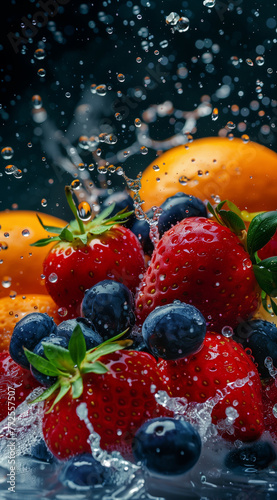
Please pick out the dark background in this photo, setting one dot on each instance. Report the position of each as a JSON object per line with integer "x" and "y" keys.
{"x": 81, "y": 50}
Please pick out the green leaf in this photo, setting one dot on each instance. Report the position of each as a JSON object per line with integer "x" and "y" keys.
{"x": 83, "y": 238}
{"x": 66, "y": 235}
{"x": 274, "y": 306}
{"x": 47, "y": 393}
{"x": 50, "y": 229}
{"x": 232, "y": 220}
{"x": 233, "y": 207}
{"x": 77, "y": 346}
{"x": 102, "y": 350}
{"x": 42, "y": 365}
{"x": 63, "y": 391}
{"x": 95, "y": 367}
{"x": 214, "y": 213}
{"x": 45, "y": 241}
{"x": 58, "y": 356}
{"x": 77, "y": 388}
{"x": 264, "y": 278}
{"x": 260, "y": 231}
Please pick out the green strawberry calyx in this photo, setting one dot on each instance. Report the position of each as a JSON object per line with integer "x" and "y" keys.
{"x": 262, "y": 228}
{"x": 70, "y": 365}
{"x": 77, "y": 230}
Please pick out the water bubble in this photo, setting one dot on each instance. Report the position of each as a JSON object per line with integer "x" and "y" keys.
{"x": 109, "y": 30}
{"x": 6, "y": 282}
{"x": 39, "y": 54}
{"x": 227, "y": 331}
{"x": 269, "y": 71}
{"x": 183, "y": 180}
{"x": 84, "y": 211}
{"x": 121, "y": 77}
{"x": 10, "y": 169}
{"x": 215, "y": 114}
{"x": 164, "y": 44}
{"x": 259, "y": 61}
{"x": 101, "y": 90}
{"x": 245, "y": 138}
{"x": 81, "y": 167}
{"x": 230, "y": 125}
{"x": 144, "y": 150}
{"x": 137, "y": 122}
{"x": 172, "y": 18}
{"x": 41, "y": 72}
{"x": 249, "y": 62}
{"x": 62, "y": 311}
{"x": 75, "y": 184}
{"x": 118, "y": 117}
{"x": 234, "y": 60}
{"x": 36, "y": 101}
{"x": 138, "y": 60}
{"x": 111, "y": 139}
{"x": 183, "y": 24}
{"x": 209, "y": 3}
{"x": 156, "y": 168}
{"x": 18, "y": 174}
{"x": 43, "y": 202}
{"x": 53, "y": 278}
{"x": 7, "y": 153}
{"x": 12, "y": 294}
{"x": 25, "y": 232}
{"x": 91, "y": 167}
{"x": 102, "y": 169}
{"x": 93, "y": 88}
{"x": 274, "y": 410}
{"x": 68, "y": 95}
{"x": 83, "y": 142}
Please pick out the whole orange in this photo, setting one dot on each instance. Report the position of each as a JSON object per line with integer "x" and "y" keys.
{"x": 12, "y": 310}
{"x": 214, "y": 168}
{"x": 21, "y": 264}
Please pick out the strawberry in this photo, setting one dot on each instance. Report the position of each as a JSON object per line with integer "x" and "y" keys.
{"x": 269, "y": 398}
{"x": 220, "y": 370}
{"x": 86, "y": 253}
{"x": 117, "y": 389}
{"x": 16, "y": 384}
{"x": 202, "y": 262}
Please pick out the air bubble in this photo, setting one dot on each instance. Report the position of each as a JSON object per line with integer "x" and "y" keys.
{"x": 36, "y": 101}
{"x": 39, "y": 54}
{"x": 25, "y": 232}
{"x": 137, "y": 122}
{"x": 144, "y": 150}
{"x": 41, "y": 72}
{"x": 43, "y": 202}
{"x": 259, "y": 61}
{"x": 209, "y": 3}
{"x": 183, "y": 180}
{"x": 215, "y": 114}
{"x": 138, "y": 60}
{"x": 7, "y": 153}
{"x": 156, "y": 168}
{"x": 101, "y": 90}
{"x": 249, "y": 62}
{"x": 53, "y": 278}
{"x": 10, "y": 169}
{"x": 227, "y": 331}
{"x": 121, "y": 77}
{"x": 245, "y": 138}
{"x": 230, "y": 125}
{"x": 83, "y": 142}
{"x": 6, "y": 282}
{"x": 182, "y": 25}
{"x": 84, "y": 211}
{"x": 62, "y": 311}
{"x": 75, "y": 184}
{"x": 172, "y": 18}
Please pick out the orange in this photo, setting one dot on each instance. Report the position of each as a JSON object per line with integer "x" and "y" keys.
{"x": 12, "y": 310}
{"x": 21, "y": 264}
{"x": 245, "y": 173}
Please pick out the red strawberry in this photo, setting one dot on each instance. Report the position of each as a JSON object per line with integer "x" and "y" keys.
{"x": 87, "y": 253}
{"x": 270, "y": 249}
{"x": 203, "y": 263}
{"x": 117, "y": 389}
{"x": 269, "y": 397}
{"x": 16, "y": 384}
{"x": 220, "y": 369}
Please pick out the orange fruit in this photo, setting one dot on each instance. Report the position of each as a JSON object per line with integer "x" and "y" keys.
{"x": 12, "y": 310}
{"x": 21, "y": 264}
{"x": 245, "y": 173}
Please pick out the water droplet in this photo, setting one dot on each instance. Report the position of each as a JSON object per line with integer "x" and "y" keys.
{"x": 84, "y": 211}
{"x": 101, "y": 90}
{"x": 144, "y": 150}
{"x": 138, "y": 60}
{"x": 172, "y": 18}
{"x": 235, "y": 60}
{"x": 137, "y": 122}
{"x": 53, "y": 278}
{"x": 36, "y": 101}
{"x": 7, "y": 153}
{"x": 83, "y": 142}
{"x": 215, "y": 114}
{"x": 81, "y": 167}
{"x": 91, "y": 167}
{"x": 274, "y": 410}
{"x": 25, "y": 232}
{"x": 245, "y": 138}
{"x": 227, "y": 331}
{"x": 156, "y": 168}
{"x": 93, "y": 88}
{"x": 121, "y": 77}
{"x": 259, "y": 60}
{"x": 209, "y": 3}
{"x": 68, "y": 95}
{"x": 62, "y": 311}
{"x": 75, "y": 184}
{"x": 12, "y": 294}
{"x": 183, "y": 180}
{"x": 10, "y": 169}
{"x": 269, "y": 71}
{"x": 43, "y": 202}
{"x": 6, "y": 282}
{"x": 118, "y": 117}
{"x": 249, "y": 62}
{"x": 18, "y": 174}
{"x": 39, "y": 54}
{"x": 182, "y": 25}
{"x": 41, "y": 72}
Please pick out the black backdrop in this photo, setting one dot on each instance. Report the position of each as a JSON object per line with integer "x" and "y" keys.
{"x": 90, "y": 43}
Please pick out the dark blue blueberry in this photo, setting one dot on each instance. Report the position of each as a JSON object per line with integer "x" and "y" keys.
{"x": 251, "y": 458}
{"x": 28, "y": 332}
{"x": 41, "y": 452}
{"x": 82, "y": 472}
{"x": 174, "y": 331}
{"x": 261, "y": 337}
{"x": 92, "y": 338}
{"x": 167, "y": 446}
{"x": 122, "y": 201}
{"x": 47, "y": 380}
{"x": 141, "y": 229}
{"x": 109, "y": 306}
{"x": 179, "y": 207}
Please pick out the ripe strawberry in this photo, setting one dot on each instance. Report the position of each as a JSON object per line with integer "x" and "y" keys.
{"x": 204, "y": 264}
{"x": 16, "y": 384}
{"x": 269, "y": 398}
{"x": 270, "y": 249}
{"x": 117, "y": 389}
{"x": 220, "y": 370}
{"x": 86, "y": 253}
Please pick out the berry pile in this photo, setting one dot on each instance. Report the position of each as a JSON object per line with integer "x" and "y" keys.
{"x": 181, "y": 326}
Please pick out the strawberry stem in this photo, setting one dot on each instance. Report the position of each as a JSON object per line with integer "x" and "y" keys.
{"x": 68, "y": 194}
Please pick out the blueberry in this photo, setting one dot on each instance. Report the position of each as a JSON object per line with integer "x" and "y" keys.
{"x": 41, "y": 452}
{"x": 167, "y": 446}
{"x": 122, "y": 201}
{"x": 109, "y": 306}
{"x": 251, "y": 458}
{"x": 179, "y": 207}
{"x": 174, "y": 331}
{"x": 82, "y": 472}
{"x": 261, "y": 337}
{"x": 28, "y": 332}
{"x": 141, "y": 229}
{"x": 47, "y": 380}
{"x": 92, "y": 338}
